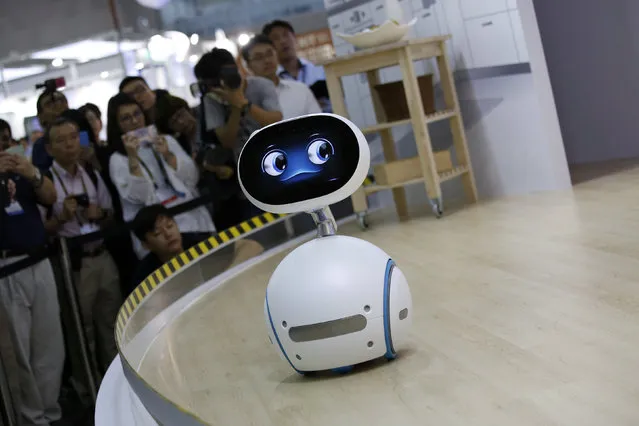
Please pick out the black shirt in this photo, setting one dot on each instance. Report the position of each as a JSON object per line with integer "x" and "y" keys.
{"x": 21, "y": 226}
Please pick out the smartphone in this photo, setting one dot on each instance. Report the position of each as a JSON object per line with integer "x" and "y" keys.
{"x": 146, "y": 135}
{"x": 16, "y": 149}
{"x": 84, "y": 139}
{"x": 82, "y": 200}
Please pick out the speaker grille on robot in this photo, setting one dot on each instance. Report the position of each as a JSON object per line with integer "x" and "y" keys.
{"x": 328, "y": 329}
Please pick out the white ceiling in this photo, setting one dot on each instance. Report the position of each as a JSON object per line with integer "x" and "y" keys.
{"x": 15, "y": 73}
{"x": 86, "y": 50}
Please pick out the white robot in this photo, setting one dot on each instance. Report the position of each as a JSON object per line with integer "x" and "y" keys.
{"x": 335, "y": 301}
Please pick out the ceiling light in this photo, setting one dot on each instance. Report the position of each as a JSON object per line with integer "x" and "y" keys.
{"x": 139, "y": 66}
{"x": 57, "y": 62}
{"x": 243, "y": 39}
{"x": 104, "y": 74}
{"x": 193, "y": 59}
{"x": 195, "y": 38}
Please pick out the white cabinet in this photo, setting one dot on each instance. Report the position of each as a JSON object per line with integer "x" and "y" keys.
{"x": 357, "y": 19}
{"x": 476, "y": 8}
{"x": 378, "y": 9}
{"x": 427, "y": 24}
{"x": 518, "y": 34}
{"x": 491, "y": 41}
{"x": 512, "y": 4}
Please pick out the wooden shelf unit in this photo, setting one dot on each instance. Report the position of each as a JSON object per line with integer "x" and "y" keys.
{"x": 404, "y": 53}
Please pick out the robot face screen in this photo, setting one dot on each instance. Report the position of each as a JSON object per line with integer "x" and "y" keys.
{"x": 299, "y": 160}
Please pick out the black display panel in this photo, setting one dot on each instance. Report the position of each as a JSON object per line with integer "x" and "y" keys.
{"x": 299, "y": 160}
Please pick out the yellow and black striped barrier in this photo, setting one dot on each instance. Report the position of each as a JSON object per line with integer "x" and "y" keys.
{"x": 164, "y": 411}
{"x": 165, "y": 271}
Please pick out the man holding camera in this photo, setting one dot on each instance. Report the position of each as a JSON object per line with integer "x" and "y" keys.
{"x": 232, "y": 108}
{"x": 84, "y": 206}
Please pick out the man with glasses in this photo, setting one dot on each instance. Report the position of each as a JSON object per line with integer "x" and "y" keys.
{"x": 295, "y": 98}
{"x": 52, "y": 105}
{"x": 137, "y": 88}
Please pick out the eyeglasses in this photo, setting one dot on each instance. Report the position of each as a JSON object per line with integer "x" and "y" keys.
{"x": 131, "y": 118}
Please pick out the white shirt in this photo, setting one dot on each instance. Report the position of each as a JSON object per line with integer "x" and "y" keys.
{"x": 296, "y": 99}
{"x": 308, "y": 72}
{"x": 151, "y": 188}
{"x": 67, "y": 184}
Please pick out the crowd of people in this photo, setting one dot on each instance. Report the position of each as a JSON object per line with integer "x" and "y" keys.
{"x": 158, "y": 154}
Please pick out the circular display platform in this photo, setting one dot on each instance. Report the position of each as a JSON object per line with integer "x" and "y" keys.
{"x": 518, "y": 319}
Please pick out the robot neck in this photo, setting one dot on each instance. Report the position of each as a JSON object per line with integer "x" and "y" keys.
{"x": 324, "y": 221}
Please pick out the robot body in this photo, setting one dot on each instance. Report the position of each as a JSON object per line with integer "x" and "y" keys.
{"x": 335, "y": 301}
{"x": 351, "y": 305}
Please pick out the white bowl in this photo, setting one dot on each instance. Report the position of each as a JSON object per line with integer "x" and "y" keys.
{"x": 388, "y": 32}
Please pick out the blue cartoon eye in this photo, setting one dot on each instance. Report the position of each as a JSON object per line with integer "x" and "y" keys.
{"x": 274, "y": 163}
{"x": 319, "y": 151}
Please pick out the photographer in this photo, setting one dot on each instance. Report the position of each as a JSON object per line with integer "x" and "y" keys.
{"x": 84, "y": 206}
{"x": 234, "y": 107}
{"x": 231, "y": 109}
{"x": 29, "y": 295}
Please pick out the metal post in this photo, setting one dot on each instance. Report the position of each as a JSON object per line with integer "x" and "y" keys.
{"x": 325, "y": 221}
{"x": 77, "y": 318}
{"x": 7, "y": 412}
{"x": 5, "y": 83}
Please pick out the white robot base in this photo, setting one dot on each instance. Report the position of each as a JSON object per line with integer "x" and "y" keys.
{"x": 335, "y": 302}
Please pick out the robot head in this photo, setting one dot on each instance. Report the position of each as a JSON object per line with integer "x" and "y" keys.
{"x": 303, "y": 164}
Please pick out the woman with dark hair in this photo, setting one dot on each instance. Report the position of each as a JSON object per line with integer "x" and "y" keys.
{"x": 150, "y": 172}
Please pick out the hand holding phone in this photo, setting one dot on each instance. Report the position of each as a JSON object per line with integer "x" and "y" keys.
{"x": 146, "y": 135}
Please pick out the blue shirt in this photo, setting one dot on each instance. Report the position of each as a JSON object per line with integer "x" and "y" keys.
{"x": 39, "y": 155}
{"x": 24, "y": 230}
{"x": 309, "y": 74}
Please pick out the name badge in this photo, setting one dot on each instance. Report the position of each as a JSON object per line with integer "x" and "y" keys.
{"x": 168, "y": 196}
{"x": 14, "y": 209}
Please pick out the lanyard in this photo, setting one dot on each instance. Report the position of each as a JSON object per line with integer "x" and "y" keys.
{"x": 162, "y": 169}
{"x": 66, "y": 192}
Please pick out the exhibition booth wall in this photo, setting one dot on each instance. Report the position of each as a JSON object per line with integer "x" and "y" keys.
{"x": 591, "y": 47}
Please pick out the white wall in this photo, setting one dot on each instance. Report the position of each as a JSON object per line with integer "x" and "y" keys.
{"x": 510, "y": 118}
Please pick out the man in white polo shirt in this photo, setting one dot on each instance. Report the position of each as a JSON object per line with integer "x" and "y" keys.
{"x": 295, "y": 97}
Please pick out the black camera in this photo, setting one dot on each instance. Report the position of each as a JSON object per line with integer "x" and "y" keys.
{"x": 229, "y": 77}
{"x": 82, "y": 200}
{"x": 52, "y": 84}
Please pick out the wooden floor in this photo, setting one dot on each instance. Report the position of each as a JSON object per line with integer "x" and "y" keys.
{"x": 526, "y": 312}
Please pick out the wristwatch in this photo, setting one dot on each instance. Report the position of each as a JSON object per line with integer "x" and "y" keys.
{"x": 37, "y": 178}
